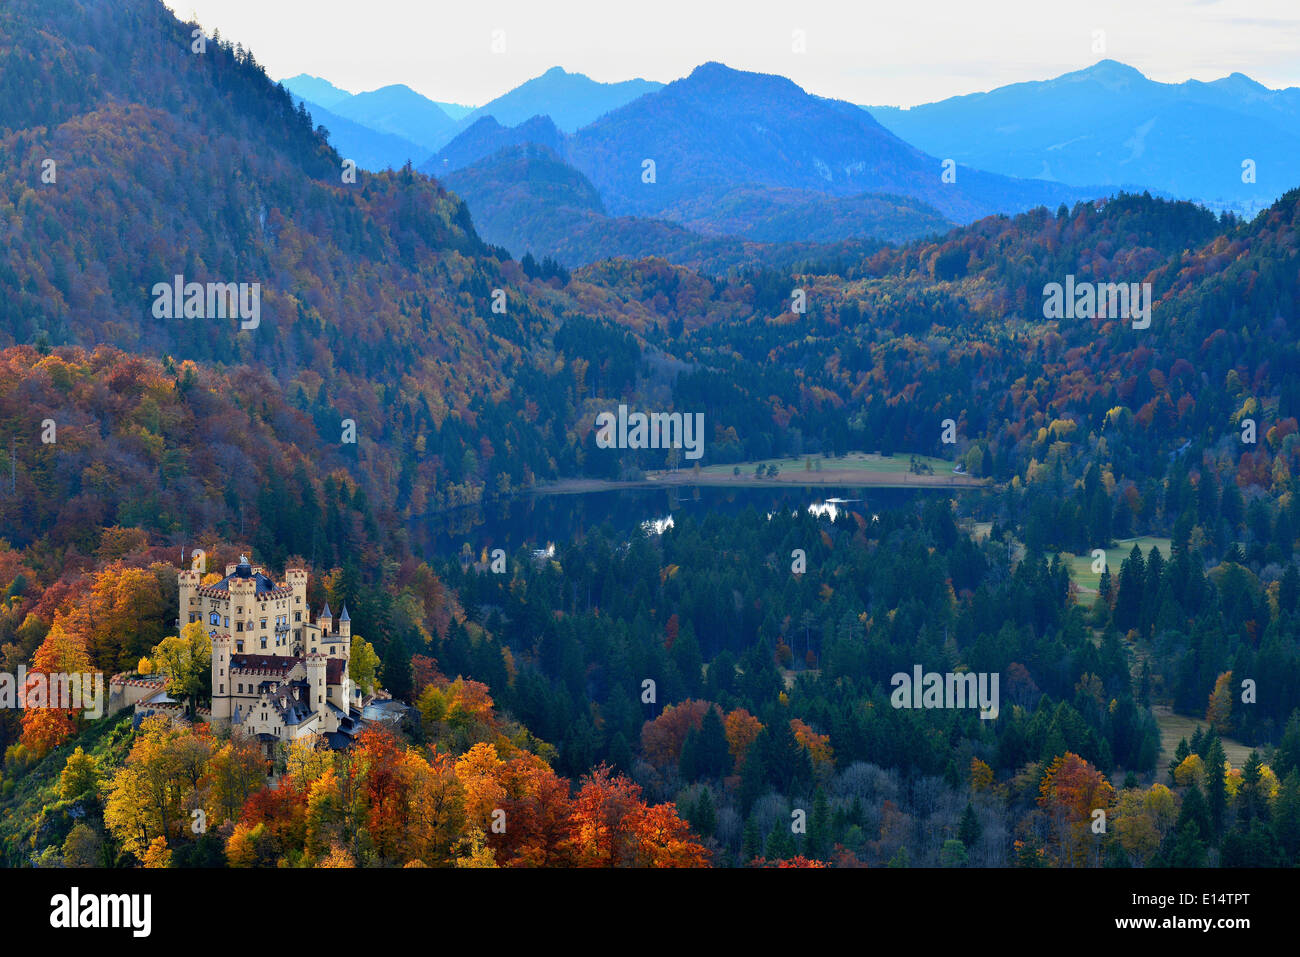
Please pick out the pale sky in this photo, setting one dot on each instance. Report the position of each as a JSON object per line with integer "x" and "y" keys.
{"x": 866, "y": 51}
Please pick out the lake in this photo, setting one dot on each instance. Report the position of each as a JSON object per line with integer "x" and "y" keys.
{"x": 536, "y": 520}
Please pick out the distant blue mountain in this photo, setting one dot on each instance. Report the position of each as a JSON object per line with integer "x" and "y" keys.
{"x": 399, "y": 110}
{"x": 369, "y": 149}
{"x": 571, "y": 100}
{"x": 486, "y": 137}
{"x": 1111, "y": 125}
{"x": 456, "y": 111}
{"x": 315, "y": 90}
{"x": 720, "y": 129}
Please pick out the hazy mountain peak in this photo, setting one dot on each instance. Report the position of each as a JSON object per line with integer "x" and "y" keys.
{"x": 315, "y": 89}
{"x": 572, "y": 100}
{"x": 1109, "y": 73}
{"x": 1109, "y": 124}
{"x": 718, "y": 78}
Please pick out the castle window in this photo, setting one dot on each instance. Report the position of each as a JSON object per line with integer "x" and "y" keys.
{"x": 264, "y": 644}
{"x": 215, "y": 619}
{"x": 239, "y": 626}
{"x": 239, "y": 646}
{"x": 221, "y": 688}
{"x": 297, "y": 616}
{"x": 241, "y": 687}
{"x": 263, "y": 622}
{"x": 227, "y": 622}
{"x": 193, "y": 618}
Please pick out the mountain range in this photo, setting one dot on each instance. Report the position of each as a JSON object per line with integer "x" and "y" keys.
{"x": 723, "y": 152}
{"x": 423, "y": 126}
{"x": 1229, "y": 143}
{"x": 1111, "y": 125}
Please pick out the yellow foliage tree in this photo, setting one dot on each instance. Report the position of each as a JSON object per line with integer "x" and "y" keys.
{"x": 1219, "y": 711}
{"x": 1192, "y": 769}
{"x": 158, "y": 855}
{"x": 981, "y": 775}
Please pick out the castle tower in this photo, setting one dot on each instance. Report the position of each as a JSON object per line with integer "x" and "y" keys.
{"x": 316, "y": 679}
{"x": 345, "y": 683}
{"x": 243, "y": 590}
{"x": 222, "y": 709}
{"x": 188, "y": 606}
{"x": 296, "y": 579}
{"x": 326, "y": 621}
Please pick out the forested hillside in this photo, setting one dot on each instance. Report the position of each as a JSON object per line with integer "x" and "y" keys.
{"x": 403, "y": 367}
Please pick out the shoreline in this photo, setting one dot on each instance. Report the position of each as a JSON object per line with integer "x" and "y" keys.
{"x": 837, "y": 478}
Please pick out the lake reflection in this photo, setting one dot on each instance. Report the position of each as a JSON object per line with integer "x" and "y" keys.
{"x": 540, "y": 520}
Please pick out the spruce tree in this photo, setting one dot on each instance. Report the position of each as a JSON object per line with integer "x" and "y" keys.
{"x": 706, "y": 815}
{"x": 969, "y": 830}
{"x": 1216, "y": 791}
{"x": 751, "y": 841}
{"x": 713, "y": 757}
{"x": 780, "y": 843}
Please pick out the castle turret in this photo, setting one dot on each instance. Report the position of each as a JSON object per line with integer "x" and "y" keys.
{"x": 316, "y": 679}
{"x": 345, "y": 622}
{"x": 221, "y": 688}
{"x": 296, "y": 579}
{"x": 326, "y": 620}
{"x": 243, "y": 593}
{"x": 188, "y": 606}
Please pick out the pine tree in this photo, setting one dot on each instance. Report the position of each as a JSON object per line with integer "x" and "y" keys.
{"x": 1286, "y": 816}
{"x": 819, "y": 827}
{"x": 780, "y": 843}
{"x": 1195, "y": 813}
{"x": 751, "y": 842}
{"x": 1216, "y": 791}
{"x": 705, "y": 818}
{"x": 713, "y": 757}
{"x": 1287, "y": 756}
{"x": 970, "y": 830}
{"x": 689, "y": 763}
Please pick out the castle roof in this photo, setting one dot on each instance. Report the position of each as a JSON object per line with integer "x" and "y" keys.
{"x": 263, "y": 584}
{"x": 263, "y": 663}
{"x": 344, "y": 615}
{"x": 325, "y": 612}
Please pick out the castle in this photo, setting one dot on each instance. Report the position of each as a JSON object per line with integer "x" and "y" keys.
{"x": 276, "y": 675}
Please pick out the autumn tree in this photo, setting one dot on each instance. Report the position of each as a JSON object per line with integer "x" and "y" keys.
{"x": 186, "y": 660}
{"x": 1070, "y": 792}
{"x": 1219, "y": 711}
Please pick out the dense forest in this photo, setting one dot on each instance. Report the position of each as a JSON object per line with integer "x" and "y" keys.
{"x": 468, "y": 376}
